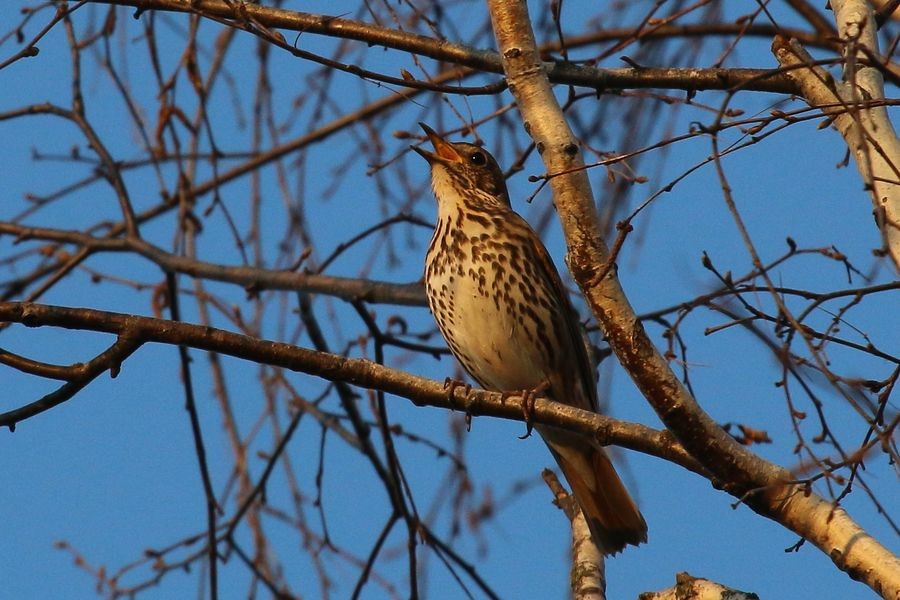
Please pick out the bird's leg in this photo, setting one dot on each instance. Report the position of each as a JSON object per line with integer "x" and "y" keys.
{"x": 451, "y": 384}
{"x": 528, "y": 399}
{"x": 469, "y": 402}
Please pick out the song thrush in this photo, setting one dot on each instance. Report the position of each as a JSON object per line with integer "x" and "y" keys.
{"x": 501, "y": 306}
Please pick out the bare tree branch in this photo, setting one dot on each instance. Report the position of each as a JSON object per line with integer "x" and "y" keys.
{"x": 243, "y": 15}
{"x": 763, "y": 486}
{"x": 256, "y": 156}
{"x": 867, "y": 130}
{"x": 336, "y": 368}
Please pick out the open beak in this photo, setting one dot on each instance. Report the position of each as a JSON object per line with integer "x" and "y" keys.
{"x": 443, "y": 151}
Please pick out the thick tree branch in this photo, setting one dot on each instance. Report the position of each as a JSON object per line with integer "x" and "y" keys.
{"x": 854, "y": 105}
{"x": 588, "y": 573}
{"x": 688, "y": 587}
{"x": 763, "y": 486}
{"x": 359, "y": 372}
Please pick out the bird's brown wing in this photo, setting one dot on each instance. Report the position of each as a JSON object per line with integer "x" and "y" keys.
{"x": 612, "y": 515}
{"x": 577, "y": 385}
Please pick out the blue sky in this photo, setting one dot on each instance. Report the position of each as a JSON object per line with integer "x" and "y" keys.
{"x": 113, "y": 471}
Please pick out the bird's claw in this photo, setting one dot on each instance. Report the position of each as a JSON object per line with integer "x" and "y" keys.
{"x": 529, "y": 397}
{"x": 528, "y": 411}
{"x": 450, "y": 385}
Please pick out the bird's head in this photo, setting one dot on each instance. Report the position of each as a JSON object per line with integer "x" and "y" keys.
{"x": 459, "y": 167}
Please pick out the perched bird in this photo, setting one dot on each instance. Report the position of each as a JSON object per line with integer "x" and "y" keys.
{"x": 501, "y": 306}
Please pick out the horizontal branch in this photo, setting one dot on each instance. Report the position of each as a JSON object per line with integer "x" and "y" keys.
{"x": 359, "y": 372}
{"x": 252, "y": 278}
{"x": 765, "y": 80}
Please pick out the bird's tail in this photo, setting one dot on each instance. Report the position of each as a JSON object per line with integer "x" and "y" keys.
{"x": 611, "y": 513}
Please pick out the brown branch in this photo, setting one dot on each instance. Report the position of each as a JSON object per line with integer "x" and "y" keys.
{"x": 109, "y": 360}
{"x": 190, "y": 405}
{"x": 73, "y": 372}
{"x": 371, "y": 292}
{"x": 111, "y": 171}
{"x": 31, "y": 49}
{"x": 459, "y": 54}
{"x": 253, "y": 278}
{"x": 359, "y": 372}
{"x": 692, "y": 30}
{"x": 688, "y": 587}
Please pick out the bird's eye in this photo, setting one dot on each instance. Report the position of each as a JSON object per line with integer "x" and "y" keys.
{"x": 478, "y": 158}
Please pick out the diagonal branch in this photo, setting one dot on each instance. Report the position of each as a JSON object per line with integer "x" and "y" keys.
{"x": 78, "y": 376}
{"x": 866, "y": 129}
{"x": 763, "y": 486}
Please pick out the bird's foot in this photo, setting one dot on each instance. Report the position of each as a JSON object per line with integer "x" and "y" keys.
{"x": 450, "y": 385}
{"x": 528, "y": 399}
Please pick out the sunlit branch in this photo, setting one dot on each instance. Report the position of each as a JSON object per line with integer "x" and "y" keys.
{"x": 358, "y": 372}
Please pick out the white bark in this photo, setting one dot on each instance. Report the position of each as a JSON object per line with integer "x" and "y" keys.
{"x": 853, "y": 103}
{"x": 588, "y": 568}
{"x": 832, "y": 530}
{"x": 688, "y": 587}
{"x": 588, "y": 575}
{"x": 836, "y": 534}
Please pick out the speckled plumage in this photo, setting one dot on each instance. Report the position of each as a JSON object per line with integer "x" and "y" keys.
{"x": 501, "y": 306}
